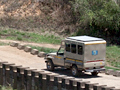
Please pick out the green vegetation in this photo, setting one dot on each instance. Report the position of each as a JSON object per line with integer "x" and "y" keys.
{"x": 3, "y": 44}
{"x": 30, "y": 37}
{"x": 46, "y": 50}
{"x": 99, "y": 18}
{"x": 6, "y": 88}
{"x": 113, "y": 56}
{"x": 112, "y": 68}
{"x": 112, "y": 52}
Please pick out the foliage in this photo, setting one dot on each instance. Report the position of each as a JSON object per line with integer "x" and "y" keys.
{"x": 99, "y": 16}
{"x": 3, "y": 44}
{"x": 6, "y": 88}
{"x": 112, "y": 68}
{"x": 46, "y": 50}
{"x": 28, "y": 36}
{"x": 113, "y": 56}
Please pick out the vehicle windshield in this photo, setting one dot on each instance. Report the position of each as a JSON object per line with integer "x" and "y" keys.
{"x": 60, "y": 51}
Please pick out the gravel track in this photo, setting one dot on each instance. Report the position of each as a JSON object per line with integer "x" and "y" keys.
{"x": 34, "y": 44}
{"x": 20, "y": 57}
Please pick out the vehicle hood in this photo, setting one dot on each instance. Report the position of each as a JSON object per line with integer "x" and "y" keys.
{"x": 52, "y": 54}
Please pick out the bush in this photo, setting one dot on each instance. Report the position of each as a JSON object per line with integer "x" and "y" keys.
{"x": 101, "y": 16}
{"x": 19, "y": 37}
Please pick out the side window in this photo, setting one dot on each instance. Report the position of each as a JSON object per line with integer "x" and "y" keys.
{"x": 73, "y": 48}
{"x": 67, "y": 47}
{"x": 80, "y": 49}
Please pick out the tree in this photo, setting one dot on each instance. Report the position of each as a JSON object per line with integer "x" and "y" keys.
{"x": 99, "y": 15}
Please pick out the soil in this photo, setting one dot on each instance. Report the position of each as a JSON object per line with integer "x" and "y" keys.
{"x": 20, "y": 57}
{"x": 36, "y": 16}
{"x": 33, "y": 44}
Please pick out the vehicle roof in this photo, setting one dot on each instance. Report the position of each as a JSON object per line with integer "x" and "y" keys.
{"x": 85, "y": 38}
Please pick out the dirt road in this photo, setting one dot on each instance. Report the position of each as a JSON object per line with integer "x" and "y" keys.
{"x": 34, "y": 44}
{"x": 19, "y": 57}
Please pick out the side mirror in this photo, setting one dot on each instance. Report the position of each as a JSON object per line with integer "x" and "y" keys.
{"x": 57, "y": 53}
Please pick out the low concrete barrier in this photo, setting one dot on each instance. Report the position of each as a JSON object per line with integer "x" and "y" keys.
{"x": 82, "y": 84}
{"x": 1, "y": 72}
{"x": 34, "y": 51}
{"x": 76, "y": 84}
{"x": 107, "y": 88}
{"x": 60, "y": 82}
{"x": 13, "y": 75}
{"x": 89, "y": 86}
{"x": 117, "y": 73}
{"x": 27, "y": 49}
{"x": 114, "y": 89}
{"x": 98, "y": 87}
{"x": 24, "y": 78}
{"x": 110, "y": 72}
{"x": 6, "y": 67}
{"x": 21, "y": 46}
{"x": 14, "y": 44}
{"x": 41, "y": 54}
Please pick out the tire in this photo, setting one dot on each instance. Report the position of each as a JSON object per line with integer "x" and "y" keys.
{"x": 94, "y": 73}
{"x": 74, "y": 70}
{"x": 50, "y": 65}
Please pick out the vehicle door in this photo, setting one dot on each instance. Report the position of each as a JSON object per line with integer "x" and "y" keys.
{"x": 59, "y": 58}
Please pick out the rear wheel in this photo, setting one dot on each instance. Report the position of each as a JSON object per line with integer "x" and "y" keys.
{"x": 94, "y": 73}
{"x": 74, "y": 70}
{"x": 50, "y": 65}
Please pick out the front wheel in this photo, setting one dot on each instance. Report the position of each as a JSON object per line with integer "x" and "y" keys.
{"x": 74, "y": 70}
{"x": 50, "y": 65}
{"x": 94, "y": 73}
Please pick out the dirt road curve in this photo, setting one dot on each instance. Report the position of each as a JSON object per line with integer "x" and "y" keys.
{"x": 34, "y": 44}
{"x": 19, "y": 57}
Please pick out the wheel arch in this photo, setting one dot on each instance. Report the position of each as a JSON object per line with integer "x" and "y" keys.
{"x": 48, "y": 59}
{"x": 74, "y": 65}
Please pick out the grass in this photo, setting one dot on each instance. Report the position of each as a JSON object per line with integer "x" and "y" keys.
{"x": 113, "y": 56}
{"x": 46, "y": 50}
{"x": 112, "y": 68}
{"x": 3, "y": 44}
{"x": 112, "y": 52}
{"x": 29, "y": 37}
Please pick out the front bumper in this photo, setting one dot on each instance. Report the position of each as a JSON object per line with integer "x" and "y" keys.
{"x": 94, "y": 70}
